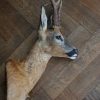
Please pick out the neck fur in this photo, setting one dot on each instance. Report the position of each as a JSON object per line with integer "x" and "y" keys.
{"x": 37, "y": 58}
{"x": 35, "y": 64}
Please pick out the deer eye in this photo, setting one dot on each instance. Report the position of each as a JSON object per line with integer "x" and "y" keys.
{"x": 59, "y": 38}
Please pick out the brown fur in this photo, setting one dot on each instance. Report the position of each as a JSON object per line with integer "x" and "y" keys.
{"x": 23, "y": 75}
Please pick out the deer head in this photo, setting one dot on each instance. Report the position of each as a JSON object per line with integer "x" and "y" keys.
{"x": 52, "y": 41}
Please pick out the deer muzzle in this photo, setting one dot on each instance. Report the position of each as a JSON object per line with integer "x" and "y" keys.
{"x": 72, "y": 54}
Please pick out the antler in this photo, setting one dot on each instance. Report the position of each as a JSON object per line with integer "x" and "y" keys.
{"x": 57, "y": 4}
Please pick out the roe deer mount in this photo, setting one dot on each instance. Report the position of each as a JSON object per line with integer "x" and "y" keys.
{"x": 23, "y": 76}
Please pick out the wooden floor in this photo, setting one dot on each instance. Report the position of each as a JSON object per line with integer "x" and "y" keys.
{"x": 63, "y": 79}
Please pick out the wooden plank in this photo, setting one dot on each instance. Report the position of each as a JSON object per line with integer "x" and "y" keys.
{"x": 11, "y": 20}
{"x": 86, "y": 80}
{"x": 82, "y": 14}
{"x": 93, "y": 95}
{"x": 24, "y": 48}
{"x": 40, "y": 95}
{"x": 66, "y": 95}
{"x": 30, "y": 9}
{"x": 79, "y": 37}
{"x": 98, "y": 88}
{"x": 2, "y": 92}
{"x": 68, "y": 24}
{"x": 94, "y": 6}
{"x": 83, "y": 83}
{"x": 13, "y": 30}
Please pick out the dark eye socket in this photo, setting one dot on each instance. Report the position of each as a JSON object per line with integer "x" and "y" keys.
{"x": 59, "y": 37}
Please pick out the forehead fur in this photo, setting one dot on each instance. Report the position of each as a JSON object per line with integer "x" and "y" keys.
{"x": 53, "y": 31}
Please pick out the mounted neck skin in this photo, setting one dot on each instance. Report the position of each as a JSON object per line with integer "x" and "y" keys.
{"x": 36, "y": 62}
{"x": 23, "y": 76}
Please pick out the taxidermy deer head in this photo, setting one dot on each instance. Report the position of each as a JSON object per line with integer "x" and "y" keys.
{"x": 22, "y": 76}
{"x": 52, "y": 41}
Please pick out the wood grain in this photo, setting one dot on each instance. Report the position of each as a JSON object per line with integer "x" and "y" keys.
{"x": 87, "y": 79}
{"x": 82, "y": 14}
{"x": 13, "y": 30}
{"x": 63, "y": 79}
{"x": 29, "y": 9}
{"x": 93, "y": 6}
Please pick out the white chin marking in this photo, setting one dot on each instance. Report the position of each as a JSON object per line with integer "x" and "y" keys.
{"x": 73, "y": 57}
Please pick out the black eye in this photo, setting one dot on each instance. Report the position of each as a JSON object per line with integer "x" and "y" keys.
{"x": 59, "y": 37}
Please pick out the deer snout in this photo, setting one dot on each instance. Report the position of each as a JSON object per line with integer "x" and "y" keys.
{"x": 73, "y": 54}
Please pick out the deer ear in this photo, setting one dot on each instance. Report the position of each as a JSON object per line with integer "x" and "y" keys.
{"x": 43, "y": 24}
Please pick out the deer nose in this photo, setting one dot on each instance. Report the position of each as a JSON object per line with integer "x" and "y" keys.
{"x": 73, "y": 54}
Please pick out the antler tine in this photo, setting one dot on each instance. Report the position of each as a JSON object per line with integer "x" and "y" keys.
{"x": 57, "y": 11}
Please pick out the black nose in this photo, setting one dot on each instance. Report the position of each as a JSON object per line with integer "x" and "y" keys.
{"x": 71, "y": 53}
